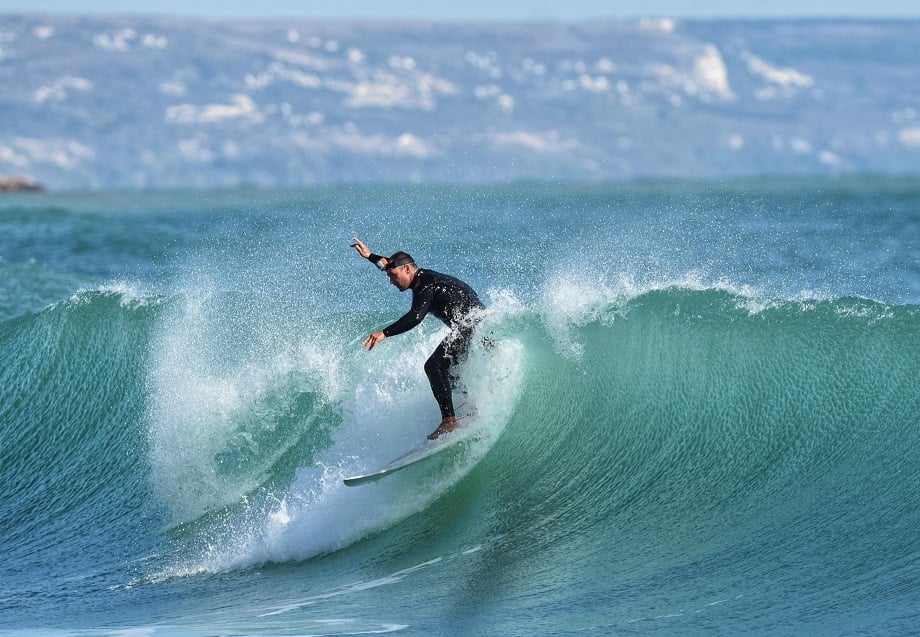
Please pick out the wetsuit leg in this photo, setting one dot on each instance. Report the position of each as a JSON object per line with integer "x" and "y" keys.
{"x": 437, "y": 368}
{"x": 440, "y": 366}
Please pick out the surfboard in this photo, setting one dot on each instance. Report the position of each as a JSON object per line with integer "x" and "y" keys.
{"x": 416, "y": 454}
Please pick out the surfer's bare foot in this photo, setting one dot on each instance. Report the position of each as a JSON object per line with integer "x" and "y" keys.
{"x": 447, "y": 425}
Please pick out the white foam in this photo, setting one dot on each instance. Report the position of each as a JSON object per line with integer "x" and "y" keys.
{"x": 202, "y": 404}
{"x": 390, "y": 411}
{"x": 130, "y": 295}
{"x": 574, "y": 298}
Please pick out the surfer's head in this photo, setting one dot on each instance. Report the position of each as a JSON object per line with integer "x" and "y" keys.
{"x": 401, "y": 269}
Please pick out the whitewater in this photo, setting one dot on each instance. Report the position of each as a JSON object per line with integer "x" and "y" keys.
{"x": 697, "y": 412}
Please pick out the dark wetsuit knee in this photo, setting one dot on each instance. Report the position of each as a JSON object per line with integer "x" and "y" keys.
{"x": 441, "y": 368}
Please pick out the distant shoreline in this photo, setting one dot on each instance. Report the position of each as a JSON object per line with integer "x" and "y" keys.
{"x": 268, "y": 104}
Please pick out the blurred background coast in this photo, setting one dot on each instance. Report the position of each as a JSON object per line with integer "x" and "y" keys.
{"x": 287, "y": 96}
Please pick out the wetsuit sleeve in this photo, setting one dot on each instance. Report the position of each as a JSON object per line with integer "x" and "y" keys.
{"x": 376, "y": 259}
{"x": 421, "y": 304}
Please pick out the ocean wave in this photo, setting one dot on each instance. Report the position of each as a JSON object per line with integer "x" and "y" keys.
{"x": 693, "y": 402}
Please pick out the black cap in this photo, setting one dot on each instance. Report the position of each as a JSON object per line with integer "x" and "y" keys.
{"x": 398, "y": 259}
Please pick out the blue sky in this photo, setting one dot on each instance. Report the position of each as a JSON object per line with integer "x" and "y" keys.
{"x": 479, "y": 9}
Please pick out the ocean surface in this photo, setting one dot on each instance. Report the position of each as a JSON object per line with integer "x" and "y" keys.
{"x": 700, "y": 414}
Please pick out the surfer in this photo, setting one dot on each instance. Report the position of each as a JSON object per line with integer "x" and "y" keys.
{"x": 447, "y": 298}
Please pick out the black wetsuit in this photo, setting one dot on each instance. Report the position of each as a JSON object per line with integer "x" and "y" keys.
{"x": 457, "y": 306}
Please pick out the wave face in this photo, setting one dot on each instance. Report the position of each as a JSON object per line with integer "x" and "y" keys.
{"x": 651, "y": 451}
{"x": 763, "y": 433}
{"x": 72, "y": 448}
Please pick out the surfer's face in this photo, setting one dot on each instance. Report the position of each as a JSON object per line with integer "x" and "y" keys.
{"x": 401, "y": 276}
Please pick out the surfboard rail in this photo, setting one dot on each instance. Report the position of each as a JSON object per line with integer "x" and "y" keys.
{"x": 414, "y": 455}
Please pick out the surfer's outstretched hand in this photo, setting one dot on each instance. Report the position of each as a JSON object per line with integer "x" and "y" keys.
{"x": 361, "y": 247}
{"x": 371, "y": 341}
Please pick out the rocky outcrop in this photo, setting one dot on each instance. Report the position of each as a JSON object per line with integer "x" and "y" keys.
{"x": 19, "y": 184}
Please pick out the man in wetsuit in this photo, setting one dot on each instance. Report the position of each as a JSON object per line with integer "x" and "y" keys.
{"x": 449, "y": 299}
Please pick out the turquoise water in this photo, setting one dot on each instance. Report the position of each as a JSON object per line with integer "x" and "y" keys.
{"x": 700, "y": 415}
